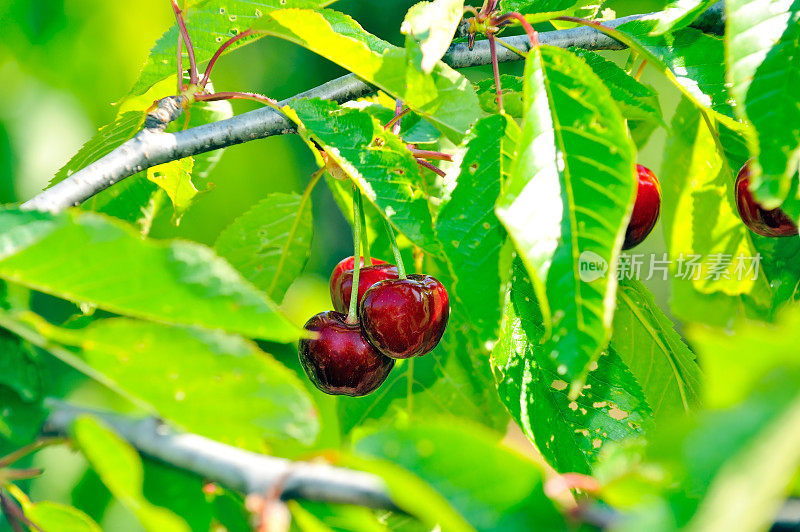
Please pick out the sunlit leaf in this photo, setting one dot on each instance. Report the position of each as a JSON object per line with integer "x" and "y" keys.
{"x": 678, "y": 14}
{"x": 444, "y": 97}
{"x": 375, "y": 159}
{"x": 432, "y": 26}
{"x": 175, "y": 178}
{"x": 763, "y": 54}
{"x": 120, "y": 468}
{"x": 568, "y": 201}
{"x": 52, "y": 515}
{"x": 117, "y": 270}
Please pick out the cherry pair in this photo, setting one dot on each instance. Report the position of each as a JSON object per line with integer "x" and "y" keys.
{"x": 399, "y": 318}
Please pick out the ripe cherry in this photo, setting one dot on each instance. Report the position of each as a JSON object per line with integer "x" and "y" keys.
{"x": 774, "y": 223}
{"x": 404, "y": 318}
{"x": 342, "y": 280}
{"x": 645, "y": 209}
{"x": 340, "y": 361}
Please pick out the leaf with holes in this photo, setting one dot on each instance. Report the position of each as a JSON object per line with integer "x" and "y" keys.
{"x": 376, "y": 160}
{"x": 764, "y": 70}
{"x": 470, "y": 234}
{"x": 512, "y": 95}
{"x": 167, "y": 281}
{"x": 568, "y": 201}
{"x": 645, "y": 339}
{"x": 270, "y": 243}
{"x": 444, "y": 97}
{"x": 210, "y": 24}
{"x": 569, "y": 433}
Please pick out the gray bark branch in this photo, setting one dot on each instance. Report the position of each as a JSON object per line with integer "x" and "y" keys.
{"x": 237, "y": 469}
{"x": 152, "y": 146}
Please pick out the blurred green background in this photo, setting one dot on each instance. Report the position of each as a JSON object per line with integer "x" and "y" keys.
{"x": 63, "y": 63}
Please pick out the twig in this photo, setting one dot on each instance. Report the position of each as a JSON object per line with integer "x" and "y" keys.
{"x": 240, "y": 470}
{"x": 149, "y": 148}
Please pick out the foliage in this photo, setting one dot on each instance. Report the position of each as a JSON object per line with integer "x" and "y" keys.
{"x": 667, "y": 395}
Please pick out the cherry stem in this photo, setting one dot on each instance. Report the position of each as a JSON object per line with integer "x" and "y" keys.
{"x": 9, "y": 459}
{"x": 219, "y": 51}
{"x": 398, "y": 257}
{"x": 488, "y": 6}
{"x": 364, "y": 235}
{"x": 533, "y": 35}
{"x": 180, "y": 64}
{"x": 266, "y": 100}
{"x": 187, "y": 41}
{"x": 432, "y": 155}
{"x": 351, "y": 313}
{"x": 639, "y": 72}
{"x": 429, "y": 166}
{"x": 394, "y": 122}
{"x": 496, "y": 70}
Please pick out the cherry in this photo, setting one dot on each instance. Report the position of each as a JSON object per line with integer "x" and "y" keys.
{"x": 404, "y": 318}
{"x": 342, "y": 280}
{"x": 774, "y": 223}
{"x": 340, "y": 361}
{"x": 646, "y": 208}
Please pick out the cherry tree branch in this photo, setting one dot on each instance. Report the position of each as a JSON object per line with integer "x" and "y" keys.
{"x": 237, "y": 469}
{"x": 153, "y": 146}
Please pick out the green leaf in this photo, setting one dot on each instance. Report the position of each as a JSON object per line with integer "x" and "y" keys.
{"x": 569, "y": 433}
{"x": 438, "y": 452}
{"x": 444, "y": 97}
{"x": 210, "y": 23}
{"x": 220, "y": 386}
{"x": 175, "y": 178}
{"x": 468, "y": 229}
{"x": 568, "y": 201}
{"x": 678, "y": 14}
{"x": 174, "y": 282}
{"x": 52, "y": 515}
{"x": 543, "y": 8}
{"x": 432, "y": 25}
{"x": 636, "y": 101}
{"x": 200, "y": 113}
{"x": 119, "y": 466}
{"x": 645, "y": 339}
{"x": 512, "y": 95}
{"x": 763, "y": 56}
{"x": 710, "y": 247}
{"x": 270, "y": 243}
{"x": 19, "y": 369}
{"x": 376, "y": 160}
{"x": 455, "y": 379}
{"x": 103, "y": 142}
{"x": 20, "y": 421}
{"x": 695, "y": 61}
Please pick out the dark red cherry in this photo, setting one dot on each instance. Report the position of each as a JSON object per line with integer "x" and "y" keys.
{"x": 645, "y": 209}
{"x": 404, "y": 318}
{"x": 759, "y": 220}
{"x": 340, "y": 361}
{"x": 342, "y": 280}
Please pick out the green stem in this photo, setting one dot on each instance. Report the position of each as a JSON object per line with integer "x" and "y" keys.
{"x": 364, "y": 235}
{"x": 28, "y": 449}
{"x": 351, "y": 314}
{"x": 410, "y": 388}
{"x": 398, "y": 258}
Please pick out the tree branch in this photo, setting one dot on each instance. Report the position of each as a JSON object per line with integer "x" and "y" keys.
{"x": 237, "y": 469}
{"x": 153, "y": 147}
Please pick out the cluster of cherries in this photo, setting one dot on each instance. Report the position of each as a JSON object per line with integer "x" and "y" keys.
{"x": 399, "y": 317}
